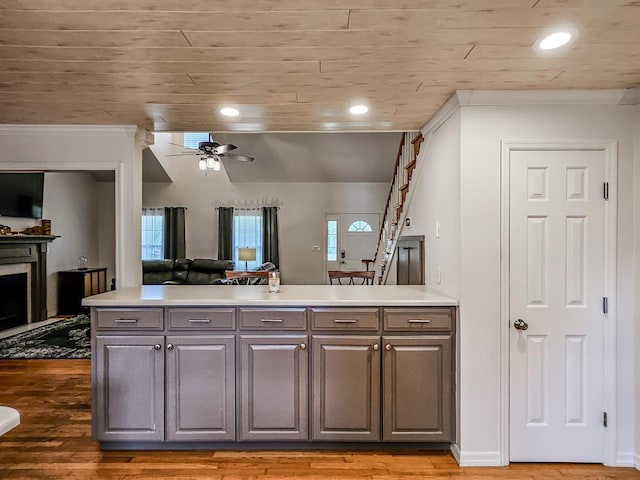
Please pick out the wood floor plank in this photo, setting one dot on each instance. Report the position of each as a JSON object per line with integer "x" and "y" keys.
{"x": 53, "y": 441}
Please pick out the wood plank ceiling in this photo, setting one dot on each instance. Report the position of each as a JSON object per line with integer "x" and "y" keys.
{"x": 294, "y": 65}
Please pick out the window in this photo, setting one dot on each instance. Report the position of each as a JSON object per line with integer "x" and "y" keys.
{"x": 359, "y": 226}
{"x": 247, "y": 232}
{"x": 332, "y": 240}
{"x": 152, "y": 234}
{"x": 193, "y": 139}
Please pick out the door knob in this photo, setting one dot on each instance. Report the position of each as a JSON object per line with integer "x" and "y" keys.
{"x": 520, "y": 324}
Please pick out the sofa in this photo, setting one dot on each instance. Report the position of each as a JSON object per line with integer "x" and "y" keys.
{"x": 184, "y": 271}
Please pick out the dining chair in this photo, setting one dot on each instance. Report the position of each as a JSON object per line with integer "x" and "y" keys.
{"x": 351, "y": 277}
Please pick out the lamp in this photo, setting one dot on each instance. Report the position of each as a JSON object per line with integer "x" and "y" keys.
{"x": 247, "y": 254}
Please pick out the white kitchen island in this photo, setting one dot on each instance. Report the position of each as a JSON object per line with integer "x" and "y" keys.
{"x": 209, "y": 366}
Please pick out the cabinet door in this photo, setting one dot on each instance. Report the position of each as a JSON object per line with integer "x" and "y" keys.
{"x": 417, "y": 386}
{"x": 128, "y": 388}
{"x": 274, "y": 387}
{"x": 200, "y": 388}
{"x": 346, "y": 388}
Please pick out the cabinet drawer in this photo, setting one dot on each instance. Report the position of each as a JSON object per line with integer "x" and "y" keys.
{"x": 201, "y": 318}
{"x": 418, "y": 319}
{"x": 345, "y": 319}
{"x": 273, "y": 318}
{"x": 129, "y": 319}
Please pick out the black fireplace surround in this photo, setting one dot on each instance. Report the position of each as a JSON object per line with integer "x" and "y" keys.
{"x": 13, "y": 300}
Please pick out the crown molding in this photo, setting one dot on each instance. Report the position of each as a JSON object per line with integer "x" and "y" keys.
{"x": 631, "y": 97}
{"x": 131, "y": 131}
{"x": 441, "y": 116}
{"x": 540, "y": 97}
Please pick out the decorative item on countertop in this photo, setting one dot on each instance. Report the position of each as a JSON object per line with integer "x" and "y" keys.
{"x": 5, "y": 230}
{"x": 274, "y": 281}
{"x": 82, "y": 263}
{"x": 46, "y": 226}
{"x": 37, "y": 230}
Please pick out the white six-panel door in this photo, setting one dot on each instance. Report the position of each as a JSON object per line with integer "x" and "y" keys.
{"x": 557, "y": 283}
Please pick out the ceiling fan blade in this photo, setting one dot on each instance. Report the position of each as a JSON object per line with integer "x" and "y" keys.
{"x": 224, "y": 148}
{"x": 195, "y": 152}
{"x": 237, "y": 156}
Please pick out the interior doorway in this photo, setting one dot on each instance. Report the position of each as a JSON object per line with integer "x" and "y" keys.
{"x": 559, "y": 276}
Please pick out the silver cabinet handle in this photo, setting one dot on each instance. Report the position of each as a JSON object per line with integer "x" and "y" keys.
{"x": 200, "y": 320}
{"x": 376, "y": 347}
{"x": 157, "y": 346}
{"x": 169, "y": 346}
{"x": 345, "y": 320}
{"x": 271, "y": 320}
{"x": 418, "y": 320}
{"x": 387, "y": 347}
{"x": 303, "y": 346}
{"x": 127, "y": 320}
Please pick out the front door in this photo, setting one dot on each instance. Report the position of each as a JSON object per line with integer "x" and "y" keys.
{"x": 557, "y": 283}
{"x": 351, "y": 237}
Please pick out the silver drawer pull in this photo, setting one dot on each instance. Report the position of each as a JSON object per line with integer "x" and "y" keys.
{"x": 127, "y": 320}
{"x": 345, "y": 320}
{"x": 200, "y": 320}
{"x": 418, "y": 320}
{"x": 271, "y": 320}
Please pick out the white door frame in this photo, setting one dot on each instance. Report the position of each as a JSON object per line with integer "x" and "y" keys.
{"x": 610, "y": 150}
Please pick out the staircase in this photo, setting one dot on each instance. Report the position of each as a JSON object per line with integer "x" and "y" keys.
{"x": 408, "y": 151}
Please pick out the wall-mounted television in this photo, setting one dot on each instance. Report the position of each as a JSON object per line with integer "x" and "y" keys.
{"x": 21, "y": 195}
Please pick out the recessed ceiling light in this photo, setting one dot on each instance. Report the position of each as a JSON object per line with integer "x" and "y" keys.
{"x": 229, "y": 112}
{"x": 556, "y": 39}
{"x": 359, "y": 109}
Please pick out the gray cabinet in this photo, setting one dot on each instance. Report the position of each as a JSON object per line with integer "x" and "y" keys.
{"x": 346, "y": 388}
{"x": 200, "y": 388}
{"x": 274, "y": 385}
{"x": 417, "y": 386}
{"x": 128, "y": 384}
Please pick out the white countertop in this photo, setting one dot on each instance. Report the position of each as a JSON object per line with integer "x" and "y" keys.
{"x": 289, "y": 295}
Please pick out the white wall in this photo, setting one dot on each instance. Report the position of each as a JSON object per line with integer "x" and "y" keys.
{"x": 70, "y": 201}
{"x": 303, "y": 207}
{"x": 106, "y": 213}
{"x": 436, "y": 198}
{"x": 480, "y": 185}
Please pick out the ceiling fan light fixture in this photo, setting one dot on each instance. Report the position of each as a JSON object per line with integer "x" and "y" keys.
{"x": 202, "y": 164}
{"x": 358, "y": 109}
{"x": 229, "y": 112}
{"x": 216, "y": 165}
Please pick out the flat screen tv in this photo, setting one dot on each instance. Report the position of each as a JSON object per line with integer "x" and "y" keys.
{"x": 21, "y": 195}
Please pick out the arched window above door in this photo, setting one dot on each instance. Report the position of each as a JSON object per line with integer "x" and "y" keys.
{"x": 359, "y": 226}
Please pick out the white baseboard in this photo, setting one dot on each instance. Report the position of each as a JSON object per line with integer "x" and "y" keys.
{"x": 626, "y": 459}
{"x": 476, "y": 459}
{"x": 637, "y": 461}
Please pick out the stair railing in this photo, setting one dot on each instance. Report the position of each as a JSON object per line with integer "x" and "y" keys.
{"x": 402, "y": 173}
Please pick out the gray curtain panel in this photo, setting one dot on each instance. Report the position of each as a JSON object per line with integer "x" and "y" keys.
{"x": 225, "y": 233}
{"x": 270, "y": 243}
{"x": 174, "y": 237}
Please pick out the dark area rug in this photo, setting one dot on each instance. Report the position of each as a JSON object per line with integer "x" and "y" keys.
{"x": 68, "y": 338}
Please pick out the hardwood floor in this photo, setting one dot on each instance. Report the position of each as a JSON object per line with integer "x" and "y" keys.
{"x": 53, "y": 441}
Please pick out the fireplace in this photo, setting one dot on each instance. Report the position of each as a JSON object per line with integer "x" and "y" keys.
{"x": 14, "y": 304}
{"x": 27, "y": 254}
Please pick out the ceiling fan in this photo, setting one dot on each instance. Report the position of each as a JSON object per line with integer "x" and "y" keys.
{"x": 211, "y": 152}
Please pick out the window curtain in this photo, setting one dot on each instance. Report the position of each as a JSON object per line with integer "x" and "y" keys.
{"x": 174, "y": 236}
{"x": 270, "y": 243}
{"x": 225, "y": 233}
